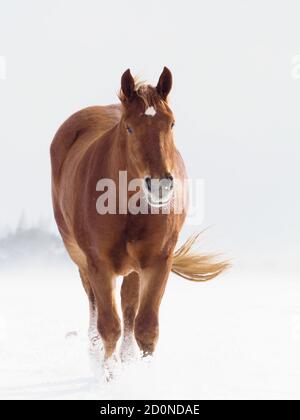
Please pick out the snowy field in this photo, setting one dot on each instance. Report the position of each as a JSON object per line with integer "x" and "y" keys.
{"x": 235, "y": 338}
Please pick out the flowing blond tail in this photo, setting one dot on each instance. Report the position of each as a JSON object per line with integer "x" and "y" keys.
{"x": 196, "y": 267}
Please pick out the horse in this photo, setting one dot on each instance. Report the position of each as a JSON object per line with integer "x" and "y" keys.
{"x": 134, "y": 137}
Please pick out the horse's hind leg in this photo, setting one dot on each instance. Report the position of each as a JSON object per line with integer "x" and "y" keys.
{"x": 130, "y": 296}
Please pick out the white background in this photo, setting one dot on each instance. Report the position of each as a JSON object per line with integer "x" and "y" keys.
{"x": 236, "y": 99}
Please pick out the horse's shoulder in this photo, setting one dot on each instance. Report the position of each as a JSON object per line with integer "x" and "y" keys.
{"x": 87, "y": 119}
{"x": 87, "y": 123}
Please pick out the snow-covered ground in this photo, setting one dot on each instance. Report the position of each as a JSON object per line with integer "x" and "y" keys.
{"x": 236, "y": 337}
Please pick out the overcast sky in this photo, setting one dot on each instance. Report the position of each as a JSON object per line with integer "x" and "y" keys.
{"x": 236, "y": 99}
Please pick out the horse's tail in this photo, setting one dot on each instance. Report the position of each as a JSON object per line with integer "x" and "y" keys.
{"x": 196, "y": 267}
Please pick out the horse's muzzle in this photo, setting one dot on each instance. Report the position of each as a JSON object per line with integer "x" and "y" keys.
{"x": 165, "y": 184}
{"x": 159, "y": 191}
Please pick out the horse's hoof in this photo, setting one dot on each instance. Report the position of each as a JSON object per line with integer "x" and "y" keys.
{"x": 147, "y": 357}
{"x": 128, "y": 350}
{"x": 110, "y": 368}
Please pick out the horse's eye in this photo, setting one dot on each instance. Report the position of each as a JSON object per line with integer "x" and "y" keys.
{"x": 172, "y": 125}
{"x": 129, "y": 129}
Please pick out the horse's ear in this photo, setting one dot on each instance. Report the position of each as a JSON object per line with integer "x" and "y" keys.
{"x": 165, "y": 84}
{"x": 128, "y": 85}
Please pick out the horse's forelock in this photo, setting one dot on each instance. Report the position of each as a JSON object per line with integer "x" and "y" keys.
{"x": 147, "y": 93}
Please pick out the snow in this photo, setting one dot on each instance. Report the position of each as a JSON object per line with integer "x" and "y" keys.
{"x": 237, "y": 337}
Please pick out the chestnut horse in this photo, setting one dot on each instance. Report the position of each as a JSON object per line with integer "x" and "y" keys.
{"x": 97, "y": 143}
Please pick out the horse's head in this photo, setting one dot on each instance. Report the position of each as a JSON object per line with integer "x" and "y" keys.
{"x": 147, "y": 126}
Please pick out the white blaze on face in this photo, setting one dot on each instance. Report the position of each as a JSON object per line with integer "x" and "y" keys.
{"x": 151, "y": 111}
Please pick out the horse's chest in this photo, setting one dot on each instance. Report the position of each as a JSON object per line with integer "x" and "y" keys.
{"x": 135, "y": 232}
{"x": 143, "y": 240}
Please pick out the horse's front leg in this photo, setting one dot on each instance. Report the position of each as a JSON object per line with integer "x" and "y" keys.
{"x": 103, "y": 283}
{"x": 153, "y": 284}
{"x": 93, "y": 333}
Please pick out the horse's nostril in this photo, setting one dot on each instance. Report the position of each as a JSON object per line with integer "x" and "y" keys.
{"x": 148, "y": 183}
{"x": 167, "y": 182}
{"x": 170, "y": 179}
{"x": 160, "y": 186}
